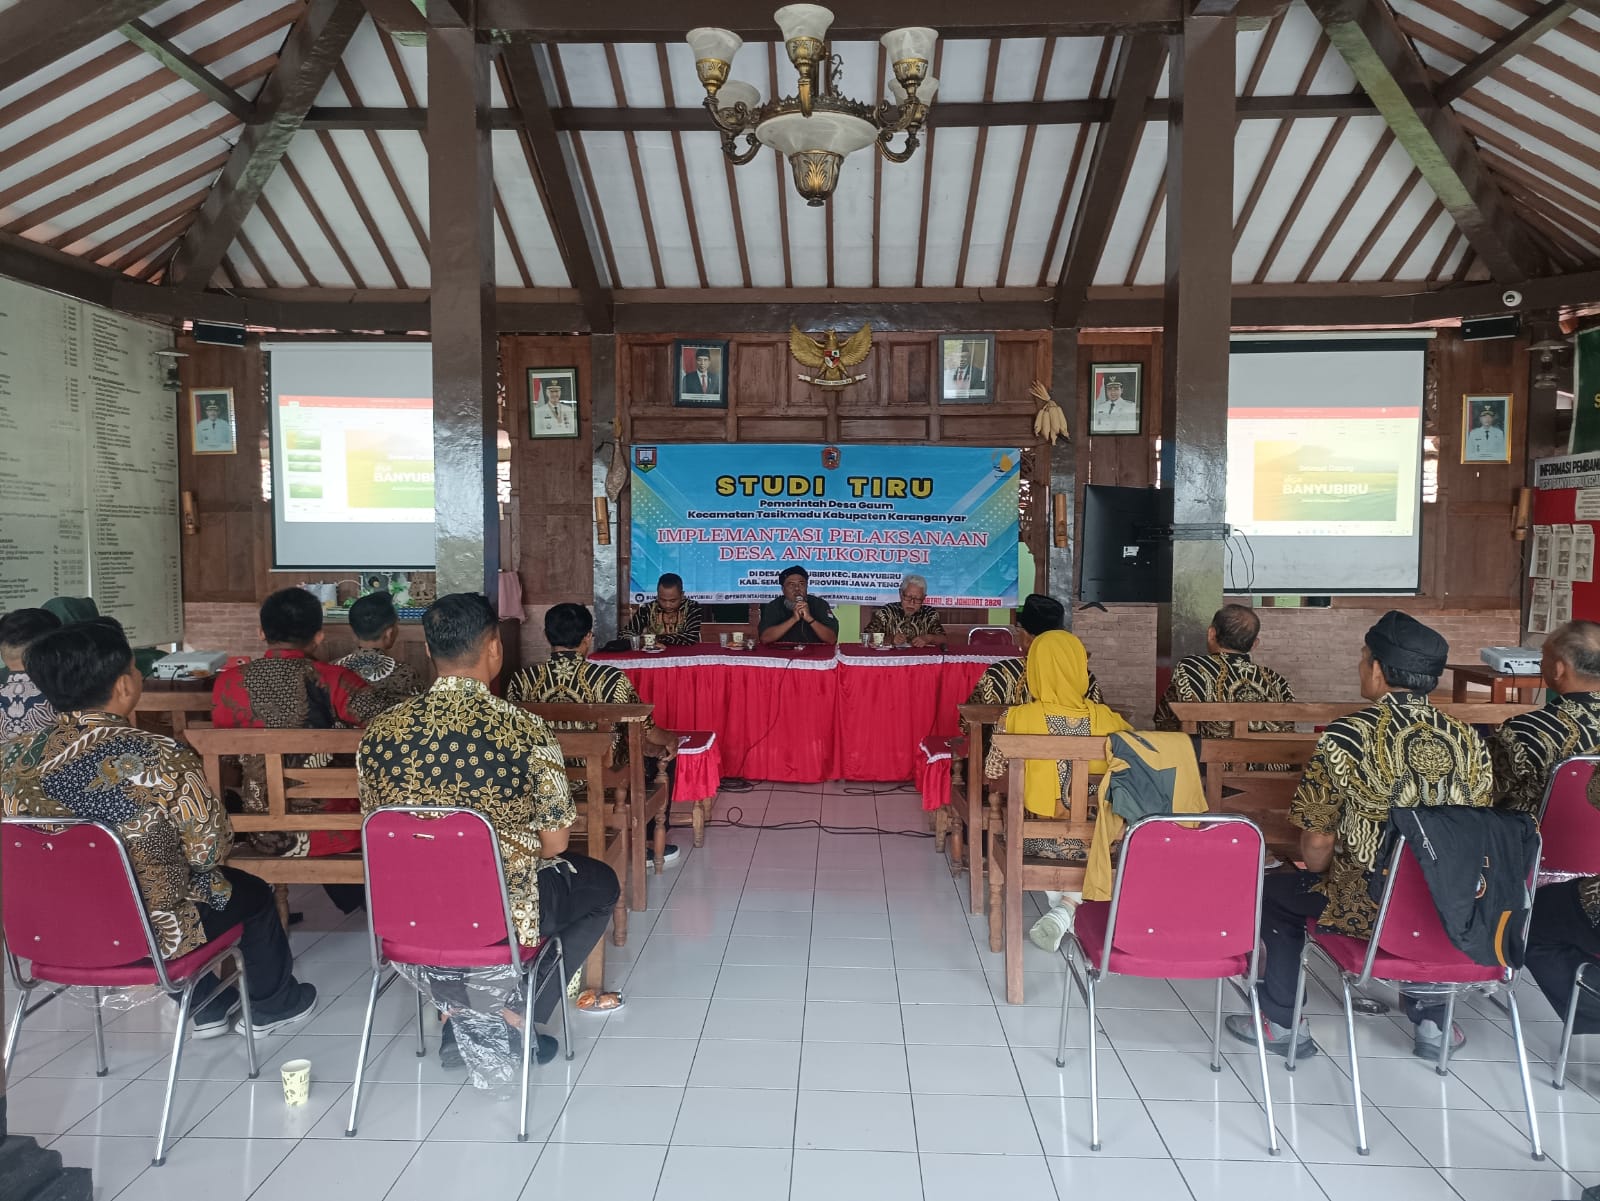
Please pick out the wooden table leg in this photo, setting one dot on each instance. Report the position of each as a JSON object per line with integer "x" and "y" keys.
{"x": 1499, "y": 691}
{"x": 281, "y": 892}
{"x": 1458, "y": 688}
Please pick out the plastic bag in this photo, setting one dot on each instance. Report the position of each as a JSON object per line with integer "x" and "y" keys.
{"x": 485, "y": 1008}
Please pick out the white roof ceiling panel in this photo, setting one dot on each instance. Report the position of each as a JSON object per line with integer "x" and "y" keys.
{"x": 369, "y": 69}
{"x": 712, "y": 210}
{"x": 1149, "y": 167}
{"x": 808, "y": 239}
{"x": 613, "y": 184}
{"x": 1041, "y": 199}
{"x": 997, "y": 183}
{"x": 900, "y": 230}
{"x": 1072, "y": 68}
{"x": 758, "y": 183}
{"x": 947, "y": 207}
{"x": 380, "y": 199}
{"x": 640, "y": 71}
{"x": 1406, "y": 219}
{"x": 853, "y": 204}
{"x": 525, "y": 209}
{"x": 307, "y": 236}
{"x": 1345, "y": 161}
{"x": 587, "y": 76}
{"x": 963, "y": 68}
{"x": 1018, "y": 71}
{"x": 1294, "y": 163}
{"x": 664, "y": 193}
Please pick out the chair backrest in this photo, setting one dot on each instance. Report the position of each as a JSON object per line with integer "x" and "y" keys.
{"x": 996, "y": 637}
{"x": 70, "y": 896}
{"x": 1319, "y": 713}
{"x": 284, "y": 784}
{"x": 1167, "y": 862}
{"x": 1569, "y": 821}
{"x": 434, "y": 880}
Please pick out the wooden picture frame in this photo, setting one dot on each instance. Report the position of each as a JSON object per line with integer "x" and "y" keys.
{"x": 1112, "y": 386}
{"x": 553, "y": 403}
{"x": 966, "y": 369}
{"x": 700, "y": 374}
{"x": 213, "y": 422}
{"x": 1486, "y": 441}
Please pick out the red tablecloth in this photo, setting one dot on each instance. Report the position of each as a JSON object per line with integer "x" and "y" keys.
{"x": 808, "y": 713}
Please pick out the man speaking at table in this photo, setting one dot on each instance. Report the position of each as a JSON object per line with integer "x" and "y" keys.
{"x": 796, "y": 616}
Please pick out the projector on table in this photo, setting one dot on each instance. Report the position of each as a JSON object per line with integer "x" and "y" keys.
{"x": 1512, "y": 660}
{"x": 189, "y": 665}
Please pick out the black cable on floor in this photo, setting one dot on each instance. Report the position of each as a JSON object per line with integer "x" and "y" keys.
{"x": 734, "y": 820}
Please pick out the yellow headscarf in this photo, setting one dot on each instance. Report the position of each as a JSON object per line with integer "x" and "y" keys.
{"x": 1058, "y": 678}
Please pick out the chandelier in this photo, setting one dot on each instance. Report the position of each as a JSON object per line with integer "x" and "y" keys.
{"x": 816, "y": 127}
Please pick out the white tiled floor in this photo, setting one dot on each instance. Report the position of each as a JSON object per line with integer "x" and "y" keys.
{"x": 809, "y": 1018}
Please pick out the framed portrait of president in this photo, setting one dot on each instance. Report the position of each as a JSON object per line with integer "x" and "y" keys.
{"x": 966, "y": 369}
{"x": 213, "y": 428}
{"x": 700, "y": 375}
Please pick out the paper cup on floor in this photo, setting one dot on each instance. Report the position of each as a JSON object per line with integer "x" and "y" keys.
{"x": 296, "y": 1081}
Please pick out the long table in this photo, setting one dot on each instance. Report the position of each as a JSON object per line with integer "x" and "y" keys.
{"x": 808, "y": 713}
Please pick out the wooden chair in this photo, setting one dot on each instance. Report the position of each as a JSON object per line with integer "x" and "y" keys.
{"x": 169, "y": 710}
{"x": 1011, "y": 874}
{"x": 603, "y": 830}
{"x": 962, "y": 820}
{"x": 1232, "y": 784}
{"x": 1321, "y": 713}
{"x": 629, "y": 788}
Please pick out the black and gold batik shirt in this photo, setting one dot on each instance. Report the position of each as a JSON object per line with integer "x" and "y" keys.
{"x": 567, "y": 678}
{"x": 896, "y": 625}
{"x": 1401, "y": 752}
{"x": 386, "y": 676}
{"x": 460, "y": 745}
{"x": 1006, "y": 683}
{"x": 679, "y": 628}
{"x": 1224, "y": 679}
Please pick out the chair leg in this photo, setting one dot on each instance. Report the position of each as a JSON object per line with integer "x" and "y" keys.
{"x": 100, "y": 1068}
{"x": 361, "y": 1055}
{"x": 21, "y": 1011}
{"x": 1560, "y": 1078}
{"x": 566, "y": 1001}
{"x": 1094, "y": 1067}
{"x": 1355, "y": 1069}
{"x": 636, "y": 864}
{"x": 529, "y": 1037}
{"x": 660, "y": 844}
{"x": 1216, "y": 1032}
{"x": 172, "y": 1070}
{"x": 1443, "y": 1066}
{"x": 996, "y": 901}
{"x": 941, "y": 830}
{"x": 1522, "y": 1070}
{"x": 422, "y": 1045}
{"x": 1261, "y": 1062}
{"x": 1066, "y": 1004}
{"x": 699, "y": 819}
{"x": 958, "y": 846}
{"x": 249, "y": 1019}
{"x": 1299, "y": 1005}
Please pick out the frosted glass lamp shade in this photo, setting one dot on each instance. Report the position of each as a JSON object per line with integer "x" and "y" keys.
{"x": 736, "y": 91}
{"x": 803, "y": 21}
{"x": 926, "y": 91}
{"x": 837, "y": 133}
{"x": 912, "y": 43}
{"x": 718, "y": 44}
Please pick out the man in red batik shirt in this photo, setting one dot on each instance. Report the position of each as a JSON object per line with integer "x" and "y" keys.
{"x": 288, "y": 689}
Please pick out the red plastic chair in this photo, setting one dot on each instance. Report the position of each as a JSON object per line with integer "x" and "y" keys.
{"x": 1569, "y": 823}
{"x": 992, "y": 637}
{"x": 1409, "y": 946}
{"x": 72, "y": 907}
{"x": 1152, "y": 928}
{"x": 436, "y": 897}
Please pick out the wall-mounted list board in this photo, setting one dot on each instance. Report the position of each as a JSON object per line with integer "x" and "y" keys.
{"x": 88, "y": 462}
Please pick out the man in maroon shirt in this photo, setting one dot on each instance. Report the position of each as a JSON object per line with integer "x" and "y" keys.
{"x": 289, "y": 689}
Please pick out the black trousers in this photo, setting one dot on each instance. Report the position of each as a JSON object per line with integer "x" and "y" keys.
{"x": 575, "y": 905}
{"x": 1562, "y": 937}
{"x": 1287, "y": 902}
{"x": 268, "y": 962}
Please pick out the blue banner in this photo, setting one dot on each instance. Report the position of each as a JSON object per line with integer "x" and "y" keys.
{"x": 729, "y": 517}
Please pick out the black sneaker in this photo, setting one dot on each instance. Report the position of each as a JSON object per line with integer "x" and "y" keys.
{"x": 300, "y": 1008}
{"x": 546, "y": 1049}
{"x": 214, "y": 1017}
{"x": 449, "y": 1049}
{"x": 670, "y": 857}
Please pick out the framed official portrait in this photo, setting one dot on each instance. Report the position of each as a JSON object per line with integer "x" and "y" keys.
{"x": 1116, "y": 398}
{"x": 553, "y": 402}
{"x": 1486, "y": 428}
{"x": 212, "y": 425}
{"x": 700, "y": 375}
{"x": 966, "y": 369}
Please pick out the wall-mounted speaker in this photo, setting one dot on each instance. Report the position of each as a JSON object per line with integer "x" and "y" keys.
{"x": 211, "y": 333}
{"x": 1481, "y": 329}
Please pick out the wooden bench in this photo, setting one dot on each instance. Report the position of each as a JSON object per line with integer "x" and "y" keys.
{"x": 1321, "y": 713}
{"x": 642, "y": 806}
{"x": 171, "y": 710}
{"x": 962, "y": 820}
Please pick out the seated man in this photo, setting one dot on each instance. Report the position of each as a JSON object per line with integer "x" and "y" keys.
{"x": 287, "y": 689}
{"x": 568, "y": 678}
{"x": 672, "y": 617}
{"x": 1006, "y": 682}
{"x": 93, "y": 762}
{"x": 23, "y": 709}
{"x": 1225, "y": 674}
{"x": 1526, "y": 750}
{"x": 457, "y": 744}
{"x": 1399, "y": 751}
{"x": 910, "y": 622}
{"x": 795, "y": 616}
{"x": 376, "y": 627}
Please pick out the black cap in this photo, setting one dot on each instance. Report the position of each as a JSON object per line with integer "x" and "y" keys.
{"x": 1402, "y": 642}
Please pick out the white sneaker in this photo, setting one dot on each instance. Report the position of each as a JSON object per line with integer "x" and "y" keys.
{"x": 1050, "y": 929}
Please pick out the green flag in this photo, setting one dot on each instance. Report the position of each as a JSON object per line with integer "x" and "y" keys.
{"x": 1586, "y": 395}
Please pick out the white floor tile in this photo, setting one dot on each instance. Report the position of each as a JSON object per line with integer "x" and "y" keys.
{"x": 962, "y": 1177}
{"x": 389, "y": 1112}
{"x": 953, "y": 1025}
{"x": 1414, "y": 1084}
{"x": 736, "y": 1063}
{"x": 37, "y": 1046}
{"x": 760, "y": 983}
{"x": 852, "y": 983}
{"x": 1153, "y": 1030}
{"x": 854, "y": 1067}
{"x": 589, "y": 1170}
{"x": 1231, "y": 1180}
{"x": 491, "y": 1115}
{"x": 776, "y": 952}
{"x": 650, "y": 1017}
{"x": 1125, "y": 1128}
{"x": 136, "y": 1110}
{"x": 601, "y": 1114}
{"x": 852, "y": 953}
{"x": 755, "y": 1019}
{"x": 1181, "y": 1076}
{"x": 827, "y": 1175}
{"x": 725, "y": 1174}
{"x": 761, "y": 924}
{"x": 1571, "y": 1139}
{"x": 1361, "y": 1182}
{"x": 951, "y": 953}
{"x": 227, "y": 1169}
{"x": 1042, "y": 1078}
{"x": 839, "y": 1121}
{"x": 668, "y": 949}
{"x": 1320, "y": 1080}
{"x": 127, "y": 1056}
{"x": 852, "y": 1022}
{"x": 1500, "y": 1087}
{"x": 114, "y": 1163}
{"x": 975, "y": 1071}
{"x": 489, "y": 1169}
{"x": 1225, "y": 1130}
{"x": 44, "y": 1106}
{"x": 849, "y": 925}
{"x": 673, "y": 980}
{"x": 975, "y": 1125}
{"x": 777, "y": 900}
{"x": 1489, "y": 1184}
{"x": 736, "y": 1117}
{"x": 355, "y": 1171}
{"x": 944, "y": 987}
{"x": 256, "y": 1109}
{"x": 1470, "y": 1139}
{"x": 1327, "y": 1134}
{"x": 1114, "y": 1176}
{"x": 650, "y": 1062}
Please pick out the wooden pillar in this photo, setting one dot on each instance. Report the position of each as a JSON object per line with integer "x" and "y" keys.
{"x": 607, "y": 441}
{"x": 1056, "y": 575}
{"x": 1194, "y": 420}
{"x": 465, "y": 376}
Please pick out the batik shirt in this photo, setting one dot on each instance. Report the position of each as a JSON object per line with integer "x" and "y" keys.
{"x": 23, "y": 709}
{"x": 385, "y": 676}
{"x": 289, "y": 690}
{"x": 1006, "y": 683}
{"x": 896, "y": 625}
{"x": 460, "y": 745}
{"x": 151, "y": 791}
{"x": 1402, "y": 752}
{"x": 567, "y": 678}
{"x": 671, "y": 629}
{"x": 1224, "y": 679}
